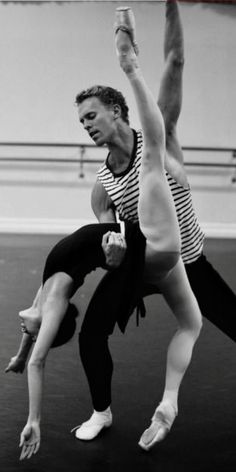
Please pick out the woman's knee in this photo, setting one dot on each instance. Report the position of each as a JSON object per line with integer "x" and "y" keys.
{"x": 196, "y": 326}
{"x": 187, "y": 313}
{"x": 192, "y": 322}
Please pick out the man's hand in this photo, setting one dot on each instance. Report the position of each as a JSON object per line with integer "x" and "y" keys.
{"x": 114, "y": 248}
{"x": 16, "y": 364}
{"x": 29, "y": 440}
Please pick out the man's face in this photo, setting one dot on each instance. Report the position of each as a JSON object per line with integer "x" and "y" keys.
{"x": 97, "y": 119}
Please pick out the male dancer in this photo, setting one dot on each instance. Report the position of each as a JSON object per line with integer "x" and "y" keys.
{"x": 216, "y": 300}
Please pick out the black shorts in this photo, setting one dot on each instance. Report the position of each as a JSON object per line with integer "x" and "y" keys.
{"x": 79, "y": 253}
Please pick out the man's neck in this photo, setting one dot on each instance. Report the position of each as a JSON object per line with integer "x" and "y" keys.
{"x": 121, "y": 149}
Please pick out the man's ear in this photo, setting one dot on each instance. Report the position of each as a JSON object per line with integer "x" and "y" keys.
{"x": 117, "y": 111}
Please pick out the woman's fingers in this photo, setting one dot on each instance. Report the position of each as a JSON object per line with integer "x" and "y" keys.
{"x": 29, "y": 449}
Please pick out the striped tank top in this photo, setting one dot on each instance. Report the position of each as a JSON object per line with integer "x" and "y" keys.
{"x": 123, "y": 189}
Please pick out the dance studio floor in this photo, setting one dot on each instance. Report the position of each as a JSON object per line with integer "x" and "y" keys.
{"x": 203, "y": 437}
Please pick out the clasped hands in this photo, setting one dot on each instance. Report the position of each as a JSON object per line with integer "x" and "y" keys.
{"x": 114, "y": 247}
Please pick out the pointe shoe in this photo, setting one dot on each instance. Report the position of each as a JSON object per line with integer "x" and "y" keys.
{"x": 162, "y": 421}
{"x": 125, "y": 22}
{"x": 91, "y": 428}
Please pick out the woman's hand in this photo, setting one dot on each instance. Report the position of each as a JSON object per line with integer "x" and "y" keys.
{"x": 16, "y": 364}
{"x": 114, "y": 248}
{"x": 29, "y": 440}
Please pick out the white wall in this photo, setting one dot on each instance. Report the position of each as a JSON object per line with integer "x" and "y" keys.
{"x": 49, "y": 52}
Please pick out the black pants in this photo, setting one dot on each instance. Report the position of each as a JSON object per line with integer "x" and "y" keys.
{"x": 98, "y": 324}
{"x": 114, "y": 300}
{"x": 216, "y": 300}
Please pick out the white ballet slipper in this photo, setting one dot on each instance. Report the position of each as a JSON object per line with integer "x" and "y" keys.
{"x": 91, "y": 428}
{"x": 162, "y": 421}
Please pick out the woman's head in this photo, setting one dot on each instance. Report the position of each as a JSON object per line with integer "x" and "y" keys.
{"x": 31, "y": 322}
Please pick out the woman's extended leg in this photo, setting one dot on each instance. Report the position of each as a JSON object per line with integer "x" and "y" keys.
{"x": 157, "y": 215}
{"x": 159, "y": 224}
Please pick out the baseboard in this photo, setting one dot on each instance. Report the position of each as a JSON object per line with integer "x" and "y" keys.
{"x": 41, "y": 225}
{"x": 66, "y": 226}
{"x": 219, "y": 230}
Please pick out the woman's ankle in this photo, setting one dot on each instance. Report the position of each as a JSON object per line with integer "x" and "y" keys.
{"x": 125, "y": 52}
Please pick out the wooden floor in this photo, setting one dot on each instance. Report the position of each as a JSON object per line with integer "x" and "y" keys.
{"x": 204, "y": 435}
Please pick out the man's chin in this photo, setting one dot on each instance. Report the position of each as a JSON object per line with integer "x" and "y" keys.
{"x": 99, "y": 142}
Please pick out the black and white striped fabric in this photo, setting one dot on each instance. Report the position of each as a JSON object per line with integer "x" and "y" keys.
{"x": 192, "y": 236}
{"x": 123, "y": 188}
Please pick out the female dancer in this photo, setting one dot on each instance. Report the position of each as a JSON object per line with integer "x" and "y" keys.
{"x": 158, "y": 222}
{"x": 50, "y": 322}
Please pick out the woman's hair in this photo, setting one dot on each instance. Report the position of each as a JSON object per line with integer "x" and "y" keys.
{"x": 67, "y": 326}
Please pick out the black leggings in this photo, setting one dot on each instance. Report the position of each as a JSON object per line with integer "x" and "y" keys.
{"x": 216, "y": 300}
{"x": 98, "y": 324}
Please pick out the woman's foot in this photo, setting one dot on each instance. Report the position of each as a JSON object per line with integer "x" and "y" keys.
{"x": 162, "y": 421}
{"x": 126, "y": 44}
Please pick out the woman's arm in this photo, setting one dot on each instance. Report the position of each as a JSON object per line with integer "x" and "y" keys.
{"x": 17, "y": 362}
{"x": 30, "y": 436}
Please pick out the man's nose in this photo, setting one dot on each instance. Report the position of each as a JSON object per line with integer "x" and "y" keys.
{"x": 87, "y": 125}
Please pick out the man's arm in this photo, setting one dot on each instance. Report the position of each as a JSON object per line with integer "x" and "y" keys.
{"x": 102, "y": 204}
{"x": 113, "y": 244}
{"x": 170, "y": 95}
